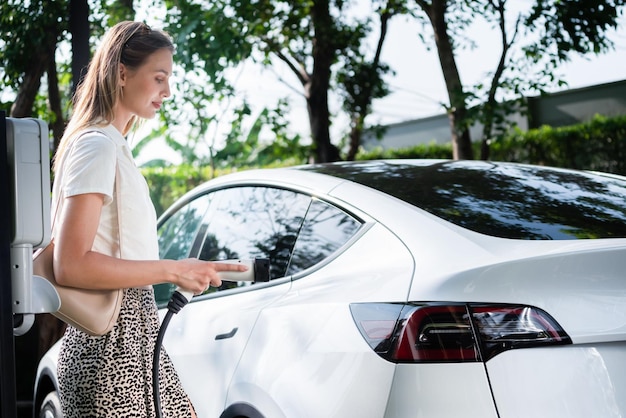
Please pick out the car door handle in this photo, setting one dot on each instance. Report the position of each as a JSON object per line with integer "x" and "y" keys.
{"x": 227, "y": 335}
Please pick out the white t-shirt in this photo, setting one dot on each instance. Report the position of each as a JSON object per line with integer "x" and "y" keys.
{"x": 89, "y": 166}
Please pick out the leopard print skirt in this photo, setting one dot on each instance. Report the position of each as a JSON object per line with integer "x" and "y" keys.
{"x": 111, "y": 375}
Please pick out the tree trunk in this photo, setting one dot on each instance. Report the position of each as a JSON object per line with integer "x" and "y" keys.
{"x": 461, "y": 141}
{"x": 355, "y": 137}
{"x": 457, "y": 113}
{"x": 317, "y": 107}
{"x": 319, "y": 83}
{"x": 25, "y": 99}
{"x": 364, "y": 101}
{"x": 79, "y": 28}
{"x": 491, "y": 104}
{"x": 54, "y": 101}
{"x": 485, "y": 150}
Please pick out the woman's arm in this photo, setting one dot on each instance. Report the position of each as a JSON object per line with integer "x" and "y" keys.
{"x": 75, "y": 264}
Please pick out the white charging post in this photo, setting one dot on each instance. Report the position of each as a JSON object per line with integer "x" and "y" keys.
{"x": 28, "y": 160}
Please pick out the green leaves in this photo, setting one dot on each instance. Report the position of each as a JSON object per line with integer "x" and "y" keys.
{"x": 572, "y": 26}
{"x": 26, "y": 27}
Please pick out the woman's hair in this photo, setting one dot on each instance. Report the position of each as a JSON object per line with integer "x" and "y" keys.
{"x": 128, "y": 43}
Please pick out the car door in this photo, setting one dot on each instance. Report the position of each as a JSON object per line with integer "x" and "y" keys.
{"x": 205, "y": 340}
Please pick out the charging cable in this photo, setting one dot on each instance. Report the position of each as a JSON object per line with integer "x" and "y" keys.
{"x": 178, "y": 300}
{"x": 258, "y": 271}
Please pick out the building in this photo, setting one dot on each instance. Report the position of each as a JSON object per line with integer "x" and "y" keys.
{"x": 563, "y": 108}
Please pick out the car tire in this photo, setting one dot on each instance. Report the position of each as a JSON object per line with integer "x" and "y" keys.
{"x": 51, "y": 406}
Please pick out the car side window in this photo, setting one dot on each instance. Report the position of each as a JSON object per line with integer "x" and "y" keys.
{"x": 176, "y": 236}
{"x": 293, "y": 230}
{"x": 251, "y": 222}
{"x": 325, "y": 229}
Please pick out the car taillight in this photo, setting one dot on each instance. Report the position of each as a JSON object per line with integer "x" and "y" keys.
{"x": 453, "y": 332}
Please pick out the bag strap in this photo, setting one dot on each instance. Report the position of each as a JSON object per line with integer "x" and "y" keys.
{"x": 118, "y": 194}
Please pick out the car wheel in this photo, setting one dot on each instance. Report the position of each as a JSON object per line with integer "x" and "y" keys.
{"x": 51, "y": 406}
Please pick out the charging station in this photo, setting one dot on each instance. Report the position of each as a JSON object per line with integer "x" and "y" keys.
{"x": 28, "y": 152}
{"x": 25, "y": 191}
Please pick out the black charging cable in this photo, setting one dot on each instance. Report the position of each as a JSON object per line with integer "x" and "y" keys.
{"x": 176, "y": 303}
{"x": 259, "y": 271}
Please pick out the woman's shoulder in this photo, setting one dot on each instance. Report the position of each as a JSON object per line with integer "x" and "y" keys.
{"x": 94, "y": 140}
{"x": 97, "y": 134}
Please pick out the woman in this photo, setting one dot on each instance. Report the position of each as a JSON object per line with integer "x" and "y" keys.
{"x": 95, "y": 248}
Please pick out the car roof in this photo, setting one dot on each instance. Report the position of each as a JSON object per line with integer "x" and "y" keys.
{"x": 502, "y": 199}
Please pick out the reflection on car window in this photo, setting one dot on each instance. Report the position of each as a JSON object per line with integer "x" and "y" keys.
{"x": 251, "y": 222}
{"x": 177, "y": 233}
{"x": 503, "y": 200}
{"x": 530, "y": 203}
{"x": 176, "y": 236}
{"x": 325, "y": 229}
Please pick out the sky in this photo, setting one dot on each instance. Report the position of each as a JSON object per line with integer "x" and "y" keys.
{"x": 417, "y": 88}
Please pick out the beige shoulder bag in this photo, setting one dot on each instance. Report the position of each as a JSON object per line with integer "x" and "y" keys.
{"x": 91, "y": 311}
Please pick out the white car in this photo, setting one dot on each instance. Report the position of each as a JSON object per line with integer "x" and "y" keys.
{"x": 405, "y": 288}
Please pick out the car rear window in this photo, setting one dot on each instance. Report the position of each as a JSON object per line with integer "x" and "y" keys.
{"x": 501, "y": 199}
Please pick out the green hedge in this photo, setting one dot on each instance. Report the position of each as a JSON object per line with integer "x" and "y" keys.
{"x": 597, "y": 145}
{"x": 169, "y": 183}
{"x": 433, "y": 150}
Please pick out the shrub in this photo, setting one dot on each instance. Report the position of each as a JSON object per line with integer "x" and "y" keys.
{"x": 599, "y": 144}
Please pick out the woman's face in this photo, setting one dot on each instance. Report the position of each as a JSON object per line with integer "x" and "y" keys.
{"x": 145, "y": 87}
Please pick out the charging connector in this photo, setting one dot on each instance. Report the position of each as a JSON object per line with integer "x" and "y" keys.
{"x": 258, "y": 270}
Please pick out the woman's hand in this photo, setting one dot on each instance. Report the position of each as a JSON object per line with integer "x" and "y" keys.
{"x": 197, "y": 275}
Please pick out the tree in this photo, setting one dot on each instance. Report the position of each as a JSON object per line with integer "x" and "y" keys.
{"x": 308, "y": 37}
{"x": 437, "y": 12}
{"x": 362, "y": 79}
{"x": 245, "y": 148}
{"x": 553, "y": 30}
{"x": 559, "y": 30}
{"x": 31, "y": 32}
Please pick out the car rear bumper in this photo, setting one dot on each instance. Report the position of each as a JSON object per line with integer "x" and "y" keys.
{"x": 440, "y": 390}
{"x": 575, "y": 381}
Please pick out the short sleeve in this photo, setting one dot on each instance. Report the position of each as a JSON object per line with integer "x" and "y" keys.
{"x": 90, "y": 166}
